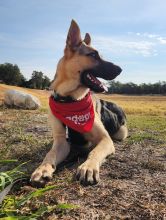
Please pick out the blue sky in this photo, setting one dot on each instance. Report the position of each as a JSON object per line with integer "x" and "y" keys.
{"x": 129, "y": 33}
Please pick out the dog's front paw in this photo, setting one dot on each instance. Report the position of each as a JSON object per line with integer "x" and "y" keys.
{"x": 88, "y": 172}
{"x": 42, "y": 174}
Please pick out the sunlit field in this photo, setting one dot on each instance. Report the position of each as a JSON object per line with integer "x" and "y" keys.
{"x": 132, "y": 181}
{"x": 149, "y": 105}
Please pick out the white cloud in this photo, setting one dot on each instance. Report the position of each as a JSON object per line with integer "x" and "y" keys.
{"x": 125, "y": 46}
{"x": 150, "y": 35}
{"x": 162, "y": 40}
{"x": 158, "y": 39}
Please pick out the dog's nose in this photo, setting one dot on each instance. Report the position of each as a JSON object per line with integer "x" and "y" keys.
{"x": 118, "y": 69}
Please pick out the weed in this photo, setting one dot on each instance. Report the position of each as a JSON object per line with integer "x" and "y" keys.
{"x": 10, "y": 176}
{"x": 12, "y": 207}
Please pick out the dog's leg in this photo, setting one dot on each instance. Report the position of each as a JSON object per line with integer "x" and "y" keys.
{"x": 88, "y": 172}
{"x": 56, "y": 155}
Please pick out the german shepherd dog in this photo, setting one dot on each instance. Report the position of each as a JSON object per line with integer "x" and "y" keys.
{"x": 75, "y": 80}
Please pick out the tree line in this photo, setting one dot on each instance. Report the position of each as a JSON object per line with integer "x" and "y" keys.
{"x": 141, "y": 89}
{"x": 10, "y": 74}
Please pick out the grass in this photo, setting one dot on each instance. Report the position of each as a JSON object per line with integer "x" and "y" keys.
{"x": 142, "y": 105}
{"x": 26, "y": 136}
{"x": 8, "y": 177}
{"x": 14, "y": 207}
{"x": 17, "y": 206}
{"x": 148, "y": 128}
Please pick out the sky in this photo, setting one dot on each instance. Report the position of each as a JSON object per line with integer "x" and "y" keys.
{"x": 130, "y": 33}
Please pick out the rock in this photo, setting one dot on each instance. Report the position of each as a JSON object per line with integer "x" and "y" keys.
{"x": 14, "y": 98}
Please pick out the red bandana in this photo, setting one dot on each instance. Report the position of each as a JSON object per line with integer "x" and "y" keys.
{"x": 77, "y": 115}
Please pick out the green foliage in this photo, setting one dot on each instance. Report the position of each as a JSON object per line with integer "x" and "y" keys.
{"x": 132, "y": 88}
{"x": 5, "y": 180}
{"x": 10, "y": 74}
{"x": 11, "y": 207}
{"x": 16, "y": 207}
{"x": 46, "y": 82}
{"x": 10, "y": 176}
{"x": 37, "y": 193}
{"x": 64, "y": 206}
{"x": 38, "y": 81}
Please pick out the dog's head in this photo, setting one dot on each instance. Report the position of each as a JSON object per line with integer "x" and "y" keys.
{"x": 81, "y": 65}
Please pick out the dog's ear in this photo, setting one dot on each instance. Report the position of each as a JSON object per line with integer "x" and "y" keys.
{"x": 87, "y": 39}
{"x": 74, "y": 36}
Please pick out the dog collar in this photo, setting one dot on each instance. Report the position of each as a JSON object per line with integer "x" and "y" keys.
{"x": 62, "y": 99}
{"x": 78, "y": 115}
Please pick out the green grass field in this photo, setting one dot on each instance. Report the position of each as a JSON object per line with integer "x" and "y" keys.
{"x": 132, "y": 181}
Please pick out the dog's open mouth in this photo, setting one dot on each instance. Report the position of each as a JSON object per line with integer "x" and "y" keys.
{"x": 93, "y": 83}
{"x": 104, "y": 70}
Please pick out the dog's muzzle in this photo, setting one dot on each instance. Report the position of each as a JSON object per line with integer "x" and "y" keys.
{"x": 105, "y": 70}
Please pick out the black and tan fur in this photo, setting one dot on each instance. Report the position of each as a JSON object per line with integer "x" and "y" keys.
{"x": 71, "y": 80}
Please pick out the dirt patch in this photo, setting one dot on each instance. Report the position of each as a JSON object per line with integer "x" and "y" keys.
{"x": 127, "y": 189}
{"x": 132, "y": 182}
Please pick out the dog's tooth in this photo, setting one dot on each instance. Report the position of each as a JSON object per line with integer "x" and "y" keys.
{"x": 89, "y": 77}
{"x": 105, "y": 88}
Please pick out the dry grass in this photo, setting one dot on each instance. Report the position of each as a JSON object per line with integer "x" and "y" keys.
{"x": 149, "y": 105}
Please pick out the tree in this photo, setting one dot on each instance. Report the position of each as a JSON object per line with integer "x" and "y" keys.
{"x": 115, "y": 87}
{"x": 46, "y": 82}
{"x": 38, "y": 81}
{"x": 132, "y": 88}
{"x": 10, "y": 74}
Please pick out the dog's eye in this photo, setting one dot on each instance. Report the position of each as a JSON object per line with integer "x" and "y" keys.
{"x": 94, "y": 54}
